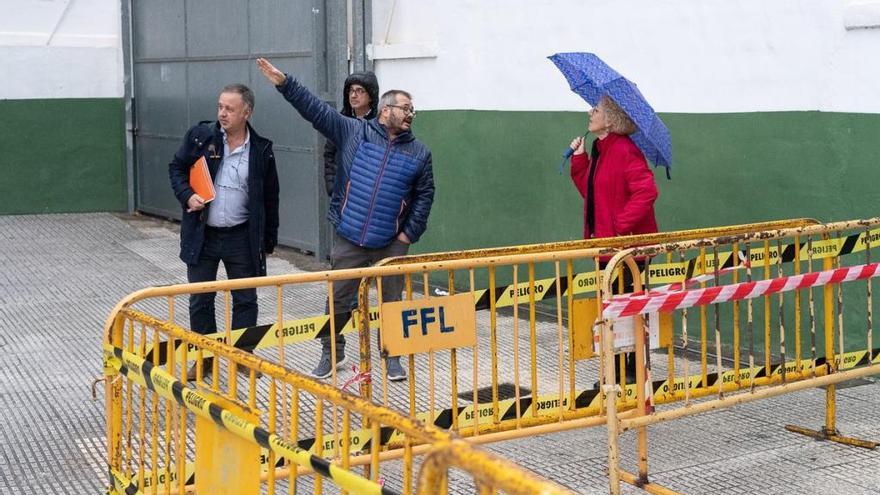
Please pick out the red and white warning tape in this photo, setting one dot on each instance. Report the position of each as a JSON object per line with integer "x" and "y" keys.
{"x": 359, "y": 376}
{"x": 619, "y": 307}
{"x": 677, "y": 286}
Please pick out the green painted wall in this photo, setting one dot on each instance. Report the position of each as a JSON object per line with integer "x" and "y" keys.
{"x": 498, "y": 184}
{"x": 62, "y": 155}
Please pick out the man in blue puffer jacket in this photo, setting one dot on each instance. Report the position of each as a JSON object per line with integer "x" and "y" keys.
{"x": 381, "y": 198}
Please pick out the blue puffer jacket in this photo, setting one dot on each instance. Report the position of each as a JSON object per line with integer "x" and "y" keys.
{"x": 382, "y": 188}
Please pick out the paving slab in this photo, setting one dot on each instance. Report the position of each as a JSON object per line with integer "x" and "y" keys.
{"x": 60, "y": 275}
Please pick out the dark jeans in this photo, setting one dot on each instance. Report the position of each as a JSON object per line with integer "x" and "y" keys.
{"x": 347, "y": 255}
{"x": 232, "y": 247}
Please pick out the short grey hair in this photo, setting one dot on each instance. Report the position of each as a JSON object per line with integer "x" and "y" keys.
{"x": 618, "y": 121}
{"x": 247, "y": 96}
{"x": 390, "y": 98}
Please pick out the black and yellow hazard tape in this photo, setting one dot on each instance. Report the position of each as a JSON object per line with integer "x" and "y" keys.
{"x": 290, "y": 332}
{"x": 154, "y": 378}
{"x": 588, "y": 402}
{"x": 314, "y": 327}
{"x": 162, "y": 474}
{"x": 121, "y": 484}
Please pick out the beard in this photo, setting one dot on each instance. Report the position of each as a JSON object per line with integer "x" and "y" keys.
{"x": 399, "y": 125}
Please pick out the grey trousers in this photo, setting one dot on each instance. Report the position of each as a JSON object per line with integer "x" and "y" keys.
{"x": 348, "y": 255}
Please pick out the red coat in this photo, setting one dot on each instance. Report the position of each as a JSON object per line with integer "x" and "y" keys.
{"x": 623, "y": 186}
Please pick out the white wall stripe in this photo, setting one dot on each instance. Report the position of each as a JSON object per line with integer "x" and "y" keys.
{"x": 60, "y": 49}
{"x": 699, "y": 56}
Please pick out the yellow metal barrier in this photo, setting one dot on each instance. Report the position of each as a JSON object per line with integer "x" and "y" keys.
{"x": 756, "y": 282}
{"x": 553, "y": 392}
{"x": 548, "y": 388}
{"x": 220, "y": 434}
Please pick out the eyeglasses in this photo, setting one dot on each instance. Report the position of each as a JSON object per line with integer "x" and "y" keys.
{"x": 407, "y": 110}
{"x": 357, "y": 91}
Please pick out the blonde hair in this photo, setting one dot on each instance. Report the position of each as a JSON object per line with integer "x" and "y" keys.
{"x": 618, "y": 121}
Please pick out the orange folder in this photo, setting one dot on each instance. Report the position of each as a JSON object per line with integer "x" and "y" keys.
{"x": 200, "y": 180}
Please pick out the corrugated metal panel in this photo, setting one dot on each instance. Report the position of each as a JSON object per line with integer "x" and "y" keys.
{"x": 184, "y": 52}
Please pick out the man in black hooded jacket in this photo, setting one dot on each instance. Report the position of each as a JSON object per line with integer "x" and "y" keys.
{"x": 360, "y": 96}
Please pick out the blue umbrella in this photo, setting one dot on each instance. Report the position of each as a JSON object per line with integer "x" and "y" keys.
{"x": 591, "y": 78}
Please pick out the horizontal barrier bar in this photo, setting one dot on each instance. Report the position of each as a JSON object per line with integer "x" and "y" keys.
{"x": 578, "y": 249}
{"x": 314, "y": 327}
{"x": 783, "y": 388}
{"x": 159, "y": 381}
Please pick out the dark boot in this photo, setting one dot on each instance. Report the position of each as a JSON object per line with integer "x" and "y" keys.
{"x": 630, "y": 367}
{"x": 207, "y": 365}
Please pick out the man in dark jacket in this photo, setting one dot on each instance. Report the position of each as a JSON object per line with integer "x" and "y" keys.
{"x": 240, "y": 225}
{"x": 381, "y": 198}
{"x": 360, "y": 97}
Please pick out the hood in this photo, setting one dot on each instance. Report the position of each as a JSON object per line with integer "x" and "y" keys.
{"x": 370, "y": 83}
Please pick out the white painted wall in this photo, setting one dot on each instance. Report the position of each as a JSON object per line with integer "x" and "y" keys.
{"x": 60, "y": 49}
{"x": 702, "y": 56}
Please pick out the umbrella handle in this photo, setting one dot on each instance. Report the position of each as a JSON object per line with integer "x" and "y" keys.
{"x": 565, "y": 157}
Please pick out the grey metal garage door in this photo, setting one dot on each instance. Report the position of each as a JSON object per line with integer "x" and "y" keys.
{"x": 184, "y": 51}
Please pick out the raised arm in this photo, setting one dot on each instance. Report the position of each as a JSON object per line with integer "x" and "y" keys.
{"x": 329, "y": 166}
{"x": 324, "y": 118}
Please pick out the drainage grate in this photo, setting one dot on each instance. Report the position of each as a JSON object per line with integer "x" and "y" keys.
{"x": 506, "y": 390}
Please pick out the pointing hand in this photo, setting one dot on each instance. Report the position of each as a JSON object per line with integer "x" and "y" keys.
{"x": 274, "y": 75}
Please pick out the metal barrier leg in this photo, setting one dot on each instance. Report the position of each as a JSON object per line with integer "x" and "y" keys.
{"x": 823, "y": 434}
{"x": 648, "y": 487}
{"x": 829, "y": 431}
{"x": 366, "y": 389}
{"x": 641, "y": 398}
{"x": 432, "y": 475}
{"x": 113, "y": 402}
{"x": 830, "y": 359}
{"x": 641, "y": 378}
{"x": 610, "y": 389}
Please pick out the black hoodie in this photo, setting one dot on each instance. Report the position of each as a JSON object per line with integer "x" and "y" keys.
{"x": 371, "y": 84}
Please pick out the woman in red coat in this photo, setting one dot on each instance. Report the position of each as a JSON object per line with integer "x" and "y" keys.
{"x": 616, "y": 184}
{"x": 614, "y": 179}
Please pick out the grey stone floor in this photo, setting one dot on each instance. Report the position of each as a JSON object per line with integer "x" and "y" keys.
{"x": 60, "y": 275}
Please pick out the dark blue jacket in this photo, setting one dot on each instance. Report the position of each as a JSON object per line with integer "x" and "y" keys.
{"x": 382, "y": 188}
{"x": 206, "y": 139}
